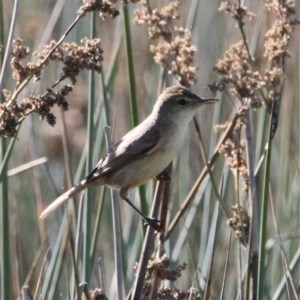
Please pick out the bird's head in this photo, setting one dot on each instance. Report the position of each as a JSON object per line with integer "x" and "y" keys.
{"x": 179, "y": 102}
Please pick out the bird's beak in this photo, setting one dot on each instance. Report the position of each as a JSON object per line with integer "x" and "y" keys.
{"x": 208, "y": 100}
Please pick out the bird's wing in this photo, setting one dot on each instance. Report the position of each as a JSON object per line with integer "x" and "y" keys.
{"x": 133, "y": 145}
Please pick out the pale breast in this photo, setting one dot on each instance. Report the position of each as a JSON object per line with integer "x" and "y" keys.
{"x": 141, "y": 170}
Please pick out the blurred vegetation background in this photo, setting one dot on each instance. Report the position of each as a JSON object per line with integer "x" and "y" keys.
{"x": 53, "y": 256}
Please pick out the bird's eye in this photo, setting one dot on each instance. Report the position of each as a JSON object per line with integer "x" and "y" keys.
{"x": 181, "y": 101}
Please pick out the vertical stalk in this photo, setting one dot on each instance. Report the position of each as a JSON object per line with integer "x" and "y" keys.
{"x": 88, "y": 204}
{"x": 132, "y": 88}
{"x": 5, "y": 270}
{"x": 5, "y": 237}
{"x": 264, "y": 214}
{"x": 130, "y": 66}
{"x": 253, "y": 207}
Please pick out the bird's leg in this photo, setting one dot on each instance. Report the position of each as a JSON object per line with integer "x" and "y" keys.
{"x": 164, "y": 175}
{"x": 154, "y": 223}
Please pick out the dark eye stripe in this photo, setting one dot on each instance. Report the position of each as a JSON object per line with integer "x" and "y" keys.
{"x": 181, "y": 101}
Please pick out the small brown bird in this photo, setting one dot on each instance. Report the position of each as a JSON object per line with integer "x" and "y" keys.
{"x": 146, "y": 150}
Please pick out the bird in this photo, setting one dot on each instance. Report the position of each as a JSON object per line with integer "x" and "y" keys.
{"x": 145, "y": 151}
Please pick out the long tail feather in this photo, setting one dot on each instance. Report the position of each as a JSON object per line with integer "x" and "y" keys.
{"x": 61, "y": 199}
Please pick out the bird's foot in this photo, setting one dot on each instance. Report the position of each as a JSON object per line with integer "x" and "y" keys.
{"x": 164, "y": 175}
{"x": 154, "y": 223}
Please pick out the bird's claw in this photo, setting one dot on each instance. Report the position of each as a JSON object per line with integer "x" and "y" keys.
{"x": 154, "y": 223}
{"x": 164, "y": 175}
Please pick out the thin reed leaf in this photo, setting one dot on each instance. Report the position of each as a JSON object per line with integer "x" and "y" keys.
{"x": 208, "y": 168}
{"x": 66, "y": 151}
{"x": 264, "y": 216}
{"x": 2, "y": 32}
{"x": 289, "y": 277}
{"x": 5, "y": 59}
{"x": 209, "y": 255}
{"x": 41, "y": 273}
{"x": 192, "y": 14}
{"x": 5, "y": 159}
{"x": 5, "y": 253}
{"x": 26, "y": 166}
{"x": 5, "y": 267}
{"x": 226, "y": 268}
{"x": 54, "y": 268}
{"x": 294, "y": 264}
{"x": 111, "y": 73}
{"x": 97, "y": 227}
{"x": 74, "y": 261}
{"x": 130, "y": 67}
{"x": 116, "y": 229}
{"x": 89, "y": 195}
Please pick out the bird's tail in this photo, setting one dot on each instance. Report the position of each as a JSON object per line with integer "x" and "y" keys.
{"x": 61, "y": 199}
